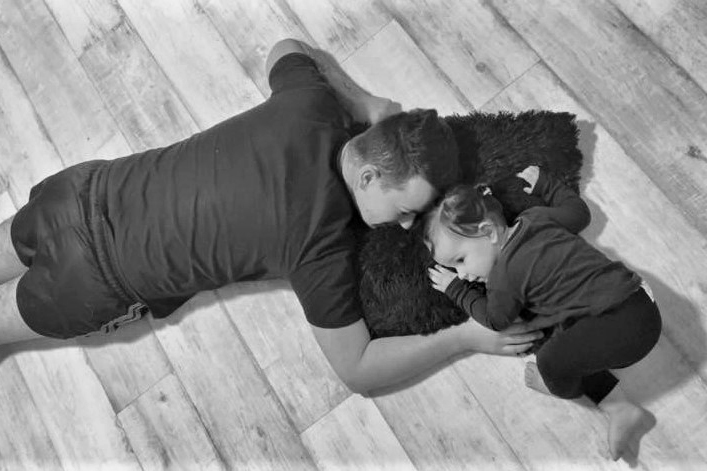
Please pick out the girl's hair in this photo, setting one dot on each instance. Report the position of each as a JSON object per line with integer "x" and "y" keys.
{"x": 463, "y": 209}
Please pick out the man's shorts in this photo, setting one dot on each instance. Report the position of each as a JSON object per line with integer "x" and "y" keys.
{"x": 66, "y": 291}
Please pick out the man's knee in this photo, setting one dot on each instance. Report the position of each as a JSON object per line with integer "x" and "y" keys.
{"x": 13, "y": 328}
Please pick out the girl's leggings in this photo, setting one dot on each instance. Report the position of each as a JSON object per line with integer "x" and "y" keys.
{"x": 576, "y": 361}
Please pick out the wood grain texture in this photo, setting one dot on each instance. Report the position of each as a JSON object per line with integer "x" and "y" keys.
{"x": 63, "y": 95}
{"x": 454, "y": 35}
{"x": 654, "y": 110}
{"x": 240, "y": 412}
{"x": 678, "y": 27}
{"x": 339, "y": 26}
{"x": 76, "y": 413}
{"x": 402, "y": 73}
{"x": 127, "y": 362}
{"x": 355, "y": 436}
{"x": 24, "y": 441}
{"x": 28, "y": 154}
{"x": 443, "y": 426}
{"x": 166, "y": 432}
{"x": 544, "y": 432}
{"x": 294, "y": 365}
{"x": 251, "y": 29}
{"x": 133, "y": 86}
{"x": 202, "y": 69}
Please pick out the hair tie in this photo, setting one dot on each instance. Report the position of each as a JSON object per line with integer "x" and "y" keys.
{"x": 484, "y": 189}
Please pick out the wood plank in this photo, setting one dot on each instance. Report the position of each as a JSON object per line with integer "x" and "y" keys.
{"x": 74, "y": 408}
{"x": 203, "y": 70}
{"x": 671, "y": 259}
{"x": 241, "y": 414}
{"x": 678, "y": 27}
{"x": 251, "y": 29}
{"x": 24, "y": 441}
{"x": 136, "y": 92}
{"x": 545, "y": 433}
{"x": 274, "y": 327}
{"x": 442, "y": 426}
{"x": 391, "y": 65}
{"x": 665, "y": 384}
{"x": 340, "y": 27}
{"x": 166, "y": 432}
{"x": 355, "y": 436}
{"x": 127, "y": 362}
{"x": 71, "y": 111}
{"x": 656, "y": 112}
{"x": 649, "y": 234}
{"x": 468, "y": 42}
{"x": 28, "y": 155}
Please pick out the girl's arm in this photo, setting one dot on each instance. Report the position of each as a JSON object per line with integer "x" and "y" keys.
{"x": 495, "y": 310}
{"x": 565, "y": 206}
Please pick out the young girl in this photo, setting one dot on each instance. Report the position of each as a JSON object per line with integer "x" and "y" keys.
{"x": 607, "y": 315}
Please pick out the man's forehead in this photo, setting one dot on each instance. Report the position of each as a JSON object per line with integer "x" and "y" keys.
{"x": 418, "y": 193}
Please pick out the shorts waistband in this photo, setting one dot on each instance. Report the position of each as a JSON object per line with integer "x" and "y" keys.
{"x": 102, "y": 236}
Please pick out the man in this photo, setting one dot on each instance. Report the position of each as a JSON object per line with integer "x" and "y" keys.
{"x": 272, "y": 192}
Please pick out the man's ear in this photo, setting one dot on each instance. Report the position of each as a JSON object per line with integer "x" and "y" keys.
{"x": 367, "y": 175}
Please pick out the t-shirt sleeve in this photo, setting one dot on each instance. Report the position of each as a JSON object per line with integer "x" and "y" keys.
{"x": 495, "y": 309}
{"x": 296, "y": 71}
{"x": 327, "y": 289}
{"x": 565, "y": 207}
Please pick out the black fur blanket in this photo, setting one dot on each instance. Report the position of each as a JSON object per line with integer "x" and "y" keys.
{"x": 396, "y": 294}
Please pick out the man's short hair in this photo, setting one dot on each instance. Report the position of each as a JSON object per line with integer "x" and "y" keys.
{"x": 408, "y": 144}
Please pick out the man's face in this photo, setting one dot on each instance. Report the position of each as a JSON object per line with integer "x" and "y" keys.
{"x": 393, "y": 205}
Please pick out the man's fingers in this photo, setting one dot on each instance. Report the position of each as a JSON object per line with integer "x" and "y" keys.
{"x": 530, "y": 337}
{"x": 517, "y": 350}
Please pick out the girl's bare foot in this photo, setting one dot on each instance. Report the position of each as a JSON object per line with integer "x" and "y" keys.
{"x": 628, "y": 423}
{"x": 533, "y": 379}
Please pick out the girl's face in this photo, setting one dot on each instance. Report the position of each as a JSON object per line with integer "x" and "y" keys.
{"x": 471, "y": 257}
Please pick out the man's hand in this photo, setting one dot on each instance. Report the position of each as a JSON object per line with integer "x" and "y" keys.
{"x": 530, "y": 175}
{"x": 440, "y": 277}
{"x": 513, "y": 341}
{"x": 377, "y": 108}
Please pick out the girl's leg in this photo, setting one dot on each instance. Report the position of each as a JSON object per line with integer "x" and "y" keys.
{"x": 10, "y": 265}
{"x": 577, "y": 361}
{"x": 12, "y": 326}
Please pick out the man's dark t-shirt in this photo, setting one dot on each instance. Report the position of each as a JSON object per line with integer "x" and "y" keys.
{"x": 257, "y": 196}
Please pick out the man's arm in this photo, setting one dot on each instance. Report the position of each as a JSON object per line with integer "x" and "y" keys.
{"x": 361, "y": 105}
{"x": 366, "y": 365}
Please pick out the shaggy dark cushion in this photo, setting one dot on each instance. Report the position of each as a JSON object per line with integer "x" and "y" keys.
{"x": 396, "y": 294}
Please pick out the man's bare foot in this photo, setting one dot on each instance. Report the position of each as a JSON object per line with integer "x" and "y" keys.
{"x": 628, "y": 423}
{"x": 533, "y": 379}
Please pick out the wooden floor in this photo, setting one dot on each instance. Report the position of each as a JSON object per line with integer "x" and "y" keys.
{"x": 235, "y": 379}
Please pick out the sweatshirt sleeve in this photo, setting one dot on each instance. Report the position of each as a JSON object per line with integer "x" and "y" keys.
{"x": 565, "y": 207}
{"x": 494, "y": 309}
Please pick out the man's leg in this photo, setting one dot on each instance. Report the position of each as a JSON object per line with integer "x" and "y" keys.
{"x": 10, "y": 265}
{"x": 12, "y": 326}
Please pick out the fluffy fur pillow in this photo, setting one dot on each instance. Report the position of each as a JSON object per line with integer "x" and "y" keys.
{"x": 396, "y": 294}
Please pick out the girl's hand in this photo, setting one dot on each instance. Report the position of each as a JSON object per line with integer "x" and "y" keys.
{"x": 441, "y": 277}
{"x": 530, "y": 175}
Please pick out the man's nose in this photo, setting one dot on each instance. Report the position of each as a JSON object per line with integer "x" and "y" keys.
{"x": 406, "y": 223}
